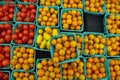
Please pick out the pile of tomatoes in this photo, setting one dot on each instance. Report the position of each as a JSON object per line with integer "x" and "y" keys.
{"x": 4, "y": 75}
{"x": 26, "y": 13}
{"x": 5, "y": 33}
{"x": 4, "y": 56}
{"x": 6, "y": 12}
{"x": 24, "y": 34}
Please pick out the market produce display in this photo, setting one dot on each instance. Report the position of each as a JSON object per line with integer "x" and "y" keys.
{"x": 59, "y": 40}
{"x": 94, "y": 44}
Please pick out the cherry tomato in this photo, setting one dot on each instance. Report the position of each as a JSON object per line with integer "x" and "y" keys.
{"x": 32, "y": 26}
{"x": 20, "y": 6}
{"x": 11, "y": 10}
{"x": 8, "y": 26}
{"x": 7, "y": 49}
{"x": 5, "y": 62}
{"x": 25, "y": 27}
{"x": 1, "y": 57}
{"x": 6, "y": 76}
{"x": 17, "y": 31}
{"x": 32, "y": 6}
{"x": 20, "y": 35}
{"x": 24, "y": 39}
{"x": 9, "y": 31}
{"x": 1, "y": 14}
{"x": 14, "y": 36}
{"x": 26, "y": 32}
{"x": 19, "y": 42}
{"x": 31, "y": 34}
{"x": 23, "y": 15}
{"x": 19, "y": 19}
{"x": 30, "y": 42}
{"x": 3, "y": 34}
{"x": 1, "y": 75}
{"x": 24, "y": 10}
{"x": 2, "y": 41}
{"x": 7, "y": 55}
{"x": 8, "y": 38}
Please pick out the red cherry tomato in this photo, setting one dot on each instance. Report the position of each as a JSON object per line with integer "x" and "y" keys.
{"x": 2, "y": 41}
{"x": 19, "y": 42}
{"x": 9, "y": 31}
{"x": 14, "y": 36}
{"x": 20, "y": 6}
{"x": 26, "y": 32}
{"x": 25, "y": 27}
{"x": 8, "y": 26}
{"x": 30, "y": 42}
{"x": 32, "y": 26}
{"x": 1, "y": 75}
{"x": 1, "y": 57}
{"x": 6, "y": 76}
{"x": 7, "y": 49}
{"x": 17, "y": 31}
{"x": 5, "y": 62}
{"x": 24, "y": 39}
{"x": 20, "y": 35}
{"x": 19, "y": 19}
{"x": 31, "y": 34}
{"x": 3, "y": 34}
{"x": 8, "y": 38}
{"x": 7, "y": 55}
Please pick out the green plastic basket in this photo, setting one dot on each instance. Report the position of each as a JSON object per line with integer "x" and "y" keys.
{"x": 43, "y": 28}
{"x": 52, "y": 47}
{"x": 109, "y": 65}
{"x": 55, "y": 7}
{"x": 105, "y": 66}
{"x": 16, "y": 25}
{"x": 106, "y": 46}
{"x": 96, "y": 13}
{"x": 80, "y": 57}
{"x": 38, "y": 60}
{"x": 3, "y": 3}
{"x": 7, "y": 67}
{"x": 7, "y": 72}
{"x": 80, "y": 34}
{"x": 94, "y": 33}
{"x": 82, "y": 26}
{"x": 13, "y": 55}
{"x": 105, "y": 25}
{"x": 16, "y": 10}
{"x": 13, "y": 78}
